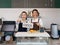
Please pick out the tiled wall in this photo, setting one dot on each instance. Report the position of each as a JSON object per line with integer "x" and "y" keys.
{"x": 49, "y": 15}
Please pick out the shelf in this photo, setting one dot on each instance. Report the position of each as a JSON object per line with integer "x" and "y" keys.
{"x": 34, "y": 43}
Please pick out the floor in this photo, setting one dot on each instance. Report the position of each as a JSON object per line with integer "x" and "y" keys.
{"x": 51, "y": 42}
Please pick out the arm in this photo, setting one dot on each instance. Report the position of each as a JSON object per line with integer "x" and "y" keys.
{"x": 17, "y": 23}
{"x": 40, "y": 24}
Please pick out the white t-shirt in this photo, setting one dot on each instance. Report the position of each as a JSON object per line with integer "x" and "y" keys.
{"x": 36, "y": 20}
{"x": 29, "y": 21}
{"x": 17, "y": 23}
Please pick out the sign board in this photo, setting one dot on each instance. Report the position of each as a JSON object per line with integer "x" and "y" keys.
{"x": 28, "y": 25}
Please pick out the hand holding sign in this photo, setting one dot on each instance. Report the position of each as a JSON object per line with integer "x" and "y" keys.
{"x": 28, "y": 25}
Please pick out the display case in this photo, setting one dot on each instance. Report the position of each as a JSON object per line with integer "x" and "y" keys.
{"x": 39, "y": 38}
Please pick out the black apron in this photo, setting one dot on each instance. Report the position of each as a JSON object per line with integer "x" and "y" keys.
{"x": 20, "y": 28}
{"x": 35, "y": 26}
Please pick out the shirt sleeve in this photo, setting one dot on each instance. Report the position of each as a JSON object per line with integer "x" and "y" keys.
{"x": 40, "y": 22}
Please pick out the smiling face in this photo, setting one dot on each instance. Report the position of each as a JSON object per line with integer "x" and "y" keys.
{"x": 24, "y": 15}
{"x": 35, "y": 13}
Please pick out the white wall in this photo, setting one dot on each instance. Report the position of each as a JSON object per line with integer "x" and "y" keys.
{"x": 49, "y": 15}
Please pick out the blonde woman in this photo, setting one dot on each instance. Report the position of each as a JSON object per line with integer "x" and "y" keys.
{"x": 21, "y": 20}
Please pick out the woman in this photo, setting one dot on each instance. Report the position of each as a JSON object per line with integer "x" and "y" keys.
{"x": 22, "y": 17}
{"x": 22, "y": 20}
{"x": 37, "y": 22}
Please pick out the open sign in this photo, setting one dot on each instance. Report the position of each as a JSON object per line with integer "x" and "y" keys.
{"x": 27, "y": 25}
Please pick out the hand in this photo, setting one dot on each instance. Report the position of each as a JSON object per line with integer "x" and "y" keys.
{"x": 18, "y": 20}
{"x": 38, "y": 24}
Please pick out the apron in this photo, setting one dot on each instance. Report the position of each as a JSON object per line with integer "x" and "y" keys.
{"x": 35, "y": 26}
{"x": 20, "y": 28}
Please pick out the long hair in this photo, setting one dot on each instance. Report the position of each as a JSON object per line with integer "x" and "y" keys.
{"x": 22, "y": 13}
